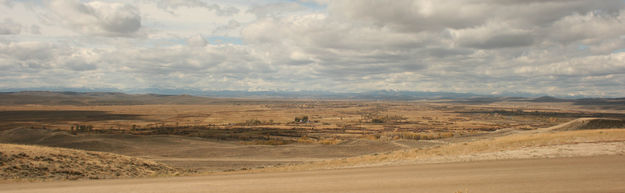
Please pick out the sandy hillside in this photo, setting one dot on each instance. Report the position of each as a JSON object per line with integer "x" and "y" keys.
{"x": 25, "y": 162}
{"x": 599, "y": 174}
{"x": 195, "y": 153}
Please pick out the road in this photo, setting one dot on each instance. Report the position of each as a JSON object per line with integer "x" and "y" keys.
{"x": 584, "y": 175}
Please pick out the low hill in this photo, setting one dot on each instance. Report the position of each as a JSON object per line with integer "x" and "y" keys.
{"x": 26, "y": 162}
{"x": 97, "y": 98}
{"x": 550, "y": 99}
{"x": 51, "y": 138}
{"x": 590, "y": 123}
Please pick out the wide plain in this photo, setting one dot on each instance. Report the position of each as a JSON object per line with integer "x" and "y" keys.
{"x": 222, "y": 142}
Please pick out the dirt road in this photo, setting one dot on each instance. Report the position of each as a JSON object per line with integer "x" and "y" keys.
{"x": 585, "y": 174}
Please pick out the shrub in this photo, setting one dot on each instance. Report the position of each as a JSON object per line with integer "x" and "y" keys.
{"x": 415, "y": 136}
{"x": 253, "y": 122}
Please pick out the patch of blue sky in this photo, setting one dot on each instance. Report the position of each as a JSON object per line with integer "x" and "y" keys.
{"x": 309, "y": 4}
{"x": 619, "y": 50}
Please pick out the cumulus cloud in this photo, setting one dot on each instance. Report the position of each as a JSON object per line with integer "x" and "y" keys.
{"x": 493, "y": 36}
{"x": 7, "y": 3}
{"x": 96, "y": 17}
{"x": 419, "y": 15}
{"x": 175, "y": 4}
{"x": 586, "y": 66}
{"x": 558, "y": 47}
{"x": 35, "y": 29}
{"x": 196, "y": 41}
{"x": 8, "y": 26}
{"x": 34, "y": 56}
{"x": 589, "y": 27}
{"x": 275, "y": 9}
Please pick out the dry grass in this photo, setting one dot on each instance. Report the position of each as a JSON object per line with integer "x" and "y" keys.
{"x": 358, "y": 117}
{"x": 511, "y": 142}
{"x": 35, "y": 163}
{"x": 414, "y": 136}
{"x": 272, "y": 122}
{"x": 337, "y": 124}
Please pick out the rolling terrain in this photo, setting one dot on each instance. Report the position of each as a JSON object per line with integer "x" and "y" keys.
{"x": 216, "y": 143}
{"x": 192, "y": 153}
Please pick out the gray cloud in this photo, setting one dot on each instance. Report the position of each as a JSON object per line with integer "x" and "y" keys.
{"x": 588, "y": 27}
{"x": 499, "y": 41}
{"x": 559, "y": 47}
{"x": 197, "y": 41}
{"x": 96, "y": 17}
{"x": 275, "y": 9}
{"x": 8, "y": 3}
{"x": 420, "y": 15}
{"x": 35, "y": 29}
{"x": 8, "y": 26}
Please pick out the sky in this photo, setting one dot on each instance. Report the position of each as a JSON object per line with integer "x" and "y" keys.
{"x": 553, "y": 47}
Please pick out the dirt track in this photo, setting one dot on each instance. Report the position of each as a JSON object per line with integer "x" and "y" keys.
{"x": 586, "y": 174}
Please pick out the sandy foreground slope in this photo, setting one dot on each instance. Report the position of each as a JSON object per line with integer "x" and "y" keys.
{"x": 27, "y": 162}
{"x": 581, "y": 174}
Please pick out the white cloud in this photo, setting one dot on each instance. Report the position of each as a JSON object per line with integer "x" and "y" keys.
{"x": 610, "y": 64}
{"x": 97, "y": 17}
{"x": 588, "y": 28}
{"x": 276, "y": 9}
{"x": 170, "y": 5}
{"x": 196, "y": 41}
{"x": 484, "y": 46}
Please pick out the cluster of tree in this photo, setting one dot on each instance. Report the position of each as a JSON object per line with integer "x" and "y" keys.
{"x": 252, "y": 122}
{"x": 377, "y": 118}
{"x": 81, "y": 128}
{"x": 301, "y": 119}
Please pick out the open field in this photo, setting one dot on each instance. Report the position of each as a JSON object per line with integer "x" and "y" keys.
{"x": 199, "y": 136}
{"x": 299, "y": 121}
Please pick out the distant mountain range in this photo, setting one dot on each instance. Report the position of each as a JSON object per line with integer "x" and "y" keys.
{"x": 377, "y": 94}
{"x": 370, "y": 95}
{"x": 211, "y": 97}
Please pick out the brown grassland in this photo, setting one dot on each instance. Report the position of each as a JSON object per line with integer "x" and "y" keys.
{"x": 268, "y": 135}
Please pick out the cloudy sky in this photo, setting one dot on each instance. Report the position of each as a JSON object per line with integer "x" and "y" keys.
{"x": 556, "y": 47}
